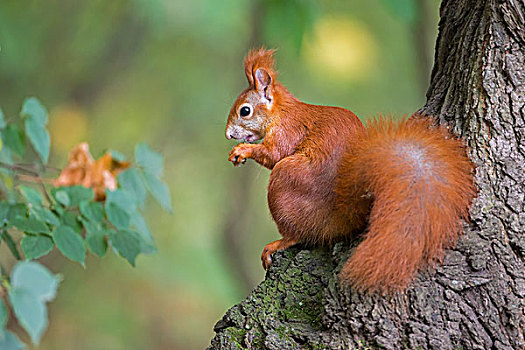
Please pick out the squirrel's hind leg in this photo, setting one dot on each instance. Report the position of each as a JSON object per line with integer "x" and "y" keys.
{"x": 272, "y": 247}
{"x": 302, "y": 201}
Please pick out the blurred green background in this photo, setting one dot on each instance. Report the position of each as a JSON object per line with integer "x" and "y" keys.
{"x": 115, "y": 73}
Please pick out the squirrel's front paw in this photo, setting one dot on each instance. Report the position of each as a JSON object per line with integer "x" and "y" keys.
{"x": 240, "y": 153}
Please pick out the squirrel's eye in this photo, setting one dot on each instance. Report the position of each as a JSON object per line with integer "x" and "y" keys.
{"x": 245, "y": 111}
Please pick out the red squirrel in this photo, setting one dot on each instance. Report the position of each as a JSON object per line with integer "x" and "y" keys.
{"x": 406, "y": 183}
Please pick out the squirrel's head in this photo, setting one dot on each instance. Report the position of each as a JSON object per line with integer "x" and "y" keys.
{"x": 252, "y": 111}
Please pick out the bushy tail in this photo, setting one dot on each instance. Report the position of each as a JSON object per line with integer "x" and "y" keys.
{"x": 421, "y": 183}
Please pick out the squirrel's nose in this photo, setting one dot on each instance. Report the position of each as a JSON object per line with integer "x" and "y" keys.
{"x": 230, "y": 133}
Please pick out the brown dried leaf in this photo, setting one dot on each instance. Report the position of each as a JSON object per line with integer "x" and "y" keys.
{"x": 96, "y": 174}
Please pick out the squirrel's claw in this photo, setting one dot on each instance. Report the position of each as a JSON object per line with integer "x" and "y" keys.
{"x": 237, "y": 162}
{"x": 239, "y": 154}
{"x": 266, "y": 257}
{"x": 270, "y": 248}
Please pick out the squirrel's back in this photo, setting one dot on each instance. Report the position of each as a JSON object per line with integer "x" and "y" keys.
{"x": 421, "y": 184}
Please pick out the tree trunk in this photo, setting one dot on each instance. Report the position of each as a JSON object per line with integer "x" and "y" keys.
{"x": 475, "y": 299}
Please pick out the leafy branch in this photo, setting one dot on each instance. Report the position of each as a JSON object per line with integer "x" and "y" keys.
{"x": 91, "y": 206}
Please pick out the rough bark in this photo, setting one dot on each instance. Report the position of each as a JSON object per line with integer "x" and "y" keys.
{"x": 476, "y": 298}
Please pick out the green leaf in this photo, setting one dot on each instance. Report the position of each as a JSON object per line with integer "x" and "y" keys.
{"x": 39, "y": 137}
{"x": 95, "y": 236}
{"x": 71, "y": 220}
{"x": 31, "y": 194}
{"x": 9, "y": 341}
{"x": 149, "y": 159}
{"x": 117, "y": 216}
{"x": 131, "y": 181}
{"x": 70, "y": 243}
{"x": 30, "y": 225}
{"x": 122, "y": 199}
{"x": 11, "y": 244}
{"x": 91, "y": 226}
{"x": 32, "y": 108}
{"x": 75, "y": 194}
{"x": 158, "y": 189}
{"x": 127, "y": 244}
{"x": 45, "y": 215}
{"x": 147, "y": 245}
{"x": 16, "y": 210}
{"x": 2, "y": 120}
{"x": 31, "y": 286}
{"x": 14, "y": 139}
{"x": 92, "y": 211}
{"x": 3, "y": 314}
{"x": 36, "y": 246}
{"x": 78, "y": 194}
{"x": 30, "y": 312}
{"x": 61, "y": 196}
{"x": 34, "y": 277}
{"x": 97, "y": 243}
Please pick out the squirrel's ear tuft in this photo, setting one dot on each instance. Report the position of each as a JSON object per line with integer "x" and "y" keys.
{"x": 259, "y": 58}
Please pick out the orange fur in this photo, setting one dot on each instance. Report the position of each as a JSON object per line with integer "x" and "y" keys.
{"x": 410, "y": 182}
{"x": 260, "y": 58}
